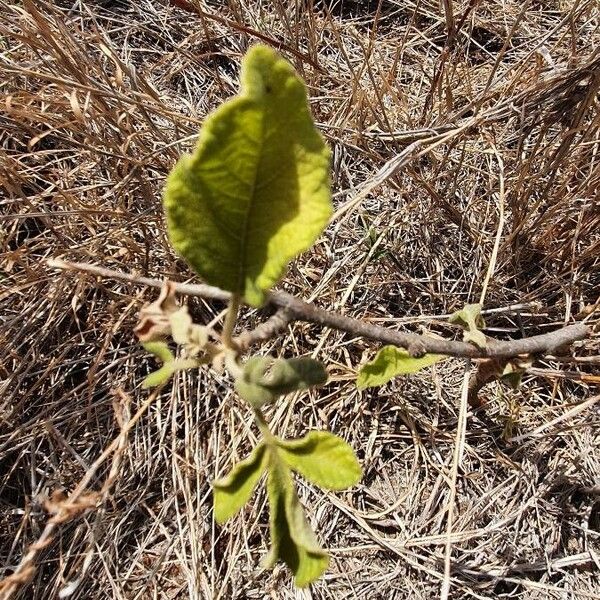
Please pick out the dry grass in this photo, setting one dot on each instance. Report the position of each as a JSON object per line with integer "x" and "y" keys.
{"x": 501, "y": 126}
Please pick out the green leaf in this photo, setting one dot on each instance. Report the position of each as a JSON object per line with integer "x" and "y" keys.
{"x": 514, "y": 369}
{"x": 233, "y": 491}
{"x": 471, "y": 320}
{"x": 171, "y": 364}
{"x": 160, "y": 350}
{"x": 322, "y": 458}
{"x": 167, "y": 371}
{"x": 292, "y": 539}
{"x": 264, "y": 378}
{"x": 255, "y": 193}
{"x": 391, "y": 361}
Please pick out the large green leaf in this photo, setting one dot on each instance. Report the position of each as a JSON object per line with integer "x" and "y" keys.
{"x": 264, "y": 378}
{"x": 233, "y": 491}
{"x": 292, "y": 539}
{"x": 255, "y": 193}
{"x": 391, "y": 361}
{"x": 323, "y": 458}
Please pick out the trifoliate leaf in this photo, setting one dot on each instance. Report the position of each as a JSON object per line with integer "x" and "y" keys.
{"x": 255, "y": 193}
{"x": 233, "y": 491}
{"x": 322, "y": 458}
{"x": 292, "y": 539}
{"x": 391, "y": 361}
{"x": 264, "y": 378}
{"x": 471, "y": 320}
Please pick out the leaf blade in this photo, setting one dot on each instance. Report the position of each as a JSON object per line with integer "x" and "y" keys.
{"x": 231, "y": 492}
{"x": 171, "y": 365}
{"x": 292, "y": 539}
{"x": 471, "y": 320}
{"x": 264, "y": 379}
{"x": 256, "y": 192}
{"x": 323, "y": 458}
{"x": 391, "y": 361}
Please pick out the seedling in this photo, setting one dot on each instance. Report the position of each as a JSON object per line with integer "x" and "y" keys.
{"x": 253, "y": 195}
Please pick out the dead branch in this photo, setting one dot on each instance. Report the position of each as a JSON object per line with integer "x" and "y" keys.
{"x": 298, "y": 310}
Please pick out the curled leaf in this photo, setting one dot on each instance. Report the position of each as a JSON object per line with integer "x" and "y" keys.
{"x": 171, "y": 364}
{"x": 233, "y": 491}
{"x": 193, "y": 337}
{"x": 471, "y": 320}
{"x": 292, "y": 539}
{"x": 154, "y": 323}
{"x": 322, "y": 458}
{"x": 514, "y": 369}
{"x": 167, "y": 371}
{"x": 160, "y": 349}
{"x": 390, "y": 362}
{"x": 264, "y": 378}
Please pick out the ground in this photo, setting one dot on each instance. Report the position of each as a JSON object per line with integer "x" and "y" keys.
{"x": 465, "y": 139}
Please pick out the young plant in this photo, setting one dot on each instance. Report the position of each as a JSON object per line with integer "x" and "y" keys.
{"x": 254, "y": 194}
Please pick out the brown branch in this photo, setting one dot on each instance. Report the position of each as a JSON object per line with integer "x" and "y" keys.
{"x": 274, "y": 325}
{"x": 298, "y": 310}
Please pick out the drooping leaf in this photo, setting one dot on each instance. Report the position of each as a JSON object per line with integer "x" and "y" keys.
{"x": 514, "y": 369}
{"x": 322, "y": 458}
{"x": 233, "y": 491}
{"x": 471, "y": 320}
{"x": 160, "y": 349}
{"x": 171, "y": 364}
{"x": 167, "y": 371}
{"x": 292, "y": 539}
{"x": 255, "y": 193}
{"x": 264, "y": 378}
{"x": 390, "y": 362}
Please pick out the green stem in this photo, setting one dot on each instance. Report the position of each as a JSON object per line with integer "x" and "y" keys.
{"x": 264, "y": 427}
{"x": 230, "y": 319}
{"x": 232, "y": 364}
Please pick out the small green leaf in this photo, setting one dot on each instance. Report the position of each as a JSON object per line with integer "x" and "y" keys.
{"x": 292, "y": 539}
{"x": 167, "y": 371}
{"x": 471, "y": 320}
{"x": 264, "y": 378}
{"x": 171, "y": 364}
{"x": 233, "y": 491}
{"x": 158, "y": 377}
{"x": 514, "y": 380}
{"x": 391, "y": 361}
{"x": 514, "y": 369}
{"x": 160, "y": 350}
{"x": 255, "y": 193}
{"x": 322, "y": 458}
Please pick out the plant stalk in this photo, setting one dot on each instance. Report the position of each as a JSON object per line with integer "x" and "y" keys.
{"x": 229, "y": 325}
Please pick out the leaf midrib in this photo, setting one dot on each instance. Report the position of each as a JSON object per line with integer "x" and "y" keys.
{"x": 250, "y": 208}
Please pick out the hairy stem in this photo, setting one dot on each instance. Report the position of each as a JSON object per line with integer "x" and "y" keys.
{"x": 230, "y": 319}
{"x": 263, "y": 426}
